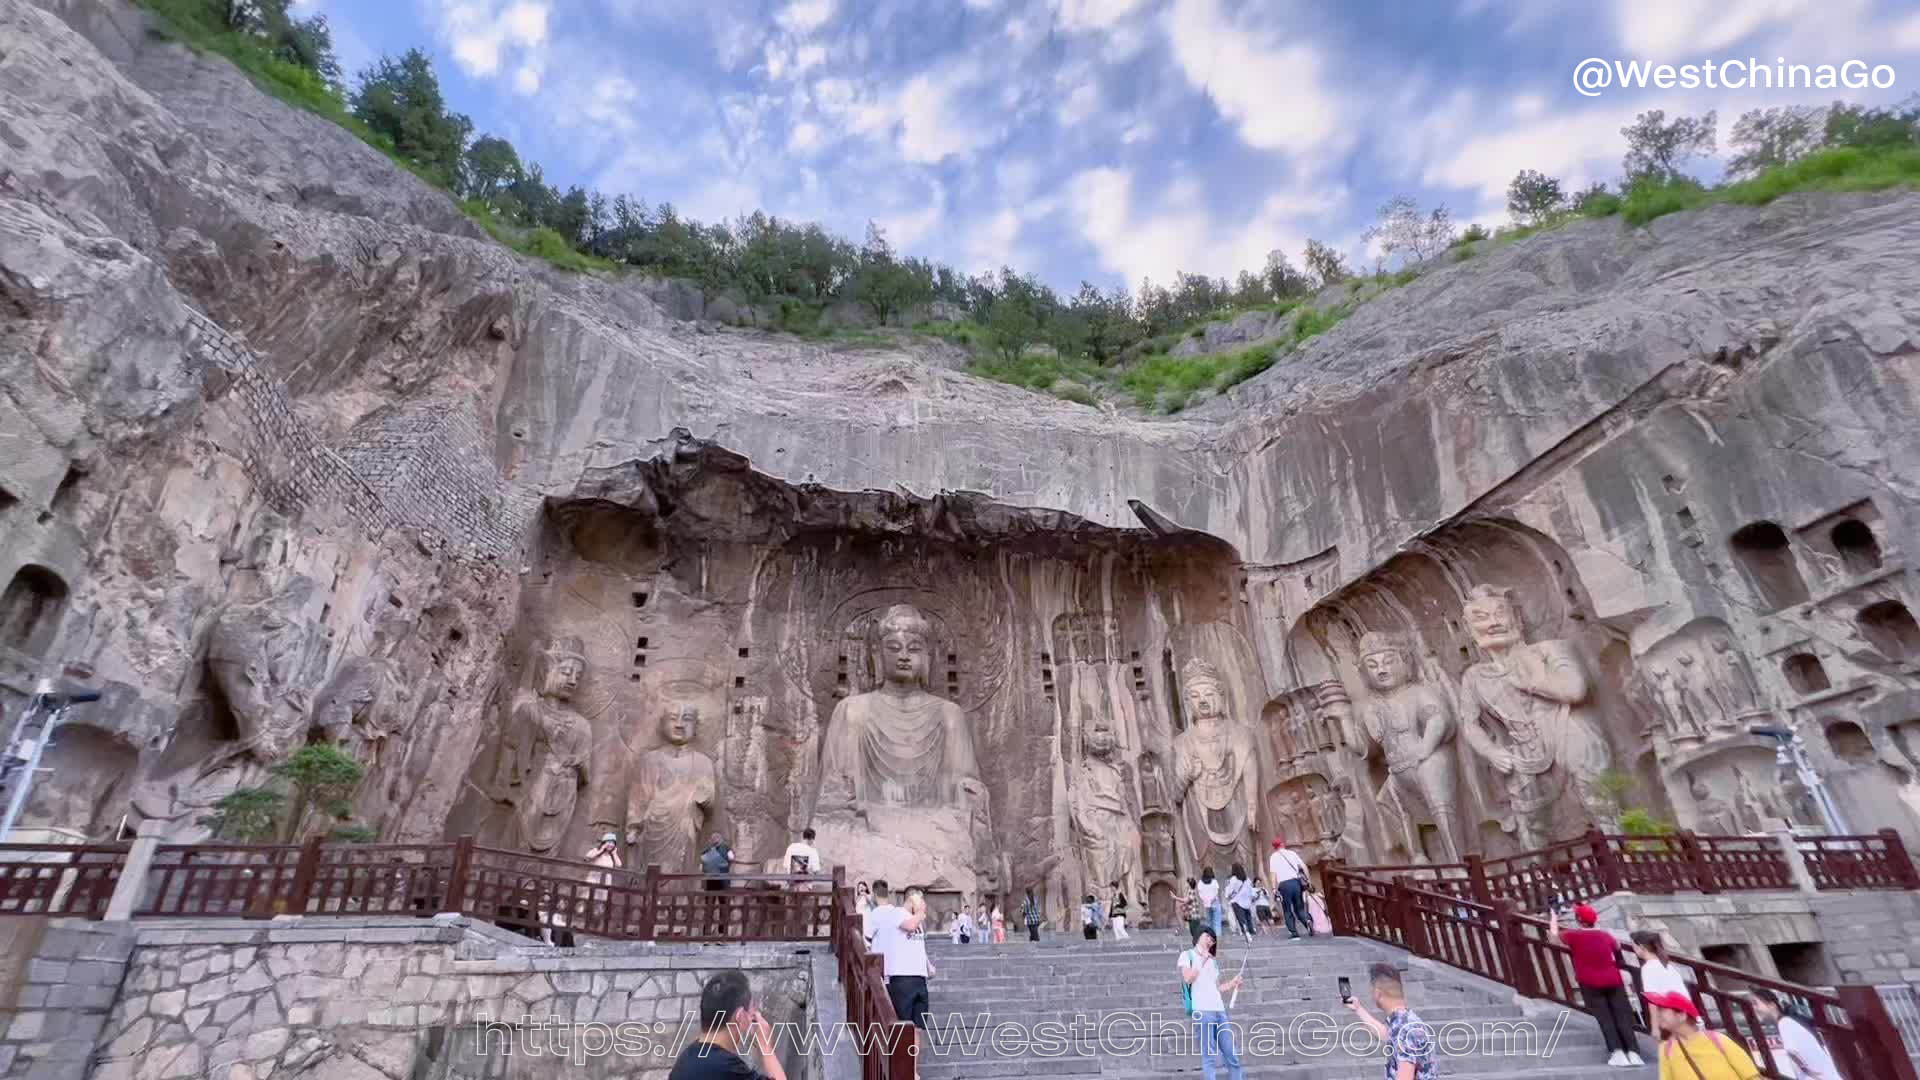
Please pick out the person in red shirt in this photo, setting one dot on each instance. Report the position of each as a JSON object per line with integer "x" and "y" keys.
{"x": 1596, "y": 967}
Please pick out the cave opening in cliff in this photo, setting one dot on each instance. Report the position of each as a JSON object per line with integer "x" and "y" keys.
{"x": 1859, "y": 549}
{"x": 1764, "y": 552}
{"x": 1891, "y": 629}
{"x": 30, "y": 609}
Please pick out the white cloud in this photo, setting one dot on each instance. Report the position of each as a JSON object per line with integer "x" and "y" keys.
{"x": 805, "y": 16}
{"x": 805, "y": 137}
{"x": 994, "y": 242}
{"x": 1674, "y": 27}
{"x": 1078, "y": 104}
{"x": 1093, "y": 14}
{"x": 1130, "y": 244}
{"x": 482, "y": 33}
{"x": 1272, "y": 90}
{"x": 807, "y": 57}
{"x": 1905, "y": 34}
{"x": 1578, "y": 149}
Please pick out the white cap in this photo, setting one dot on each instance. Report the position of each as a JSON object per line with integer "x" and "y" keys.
{"x": 609, "y": 838}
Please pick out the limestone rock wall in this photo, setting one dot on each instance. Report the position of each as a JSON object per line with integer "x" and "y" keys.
{"x": 294, "y": 454}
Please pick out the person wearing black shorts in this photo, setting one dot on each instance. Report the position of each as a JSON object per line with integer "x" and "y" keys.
{"x": 900, "y": 936}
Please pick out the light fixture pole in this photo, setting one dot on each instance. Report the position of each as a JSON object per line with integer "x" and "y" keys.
{"x": 20, "y": 761}
{"x": 1790, "y": 749}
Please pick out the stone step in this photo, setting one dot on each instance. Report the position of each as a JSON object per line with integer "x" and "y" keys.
{"x": 1585, "y": 1065}
{"x": 1248, "y": 1010}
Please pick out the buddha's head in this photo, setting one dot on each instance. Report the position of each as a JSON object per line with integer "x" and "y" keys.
{"x": 1206, "y": 699}
{"x": 1493, "y": 618}
{"x": 561, "y": 665}
{"x": 906, "y": 639}
{"x": 679, "y": 723}
{"x": 1384, "y": 661}
{"x": 1099, "y": 740}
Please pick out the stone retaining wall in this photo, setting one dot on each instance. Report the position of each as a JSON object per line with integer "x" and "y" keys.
{"x": 58, "y": 982}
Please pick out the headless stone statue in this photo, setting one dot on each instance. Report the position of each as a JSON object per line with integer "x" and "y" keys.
{"x": 672, "y": 796}
{"x": 1413, "y": 723}
{"x": 1105, "y": 819}
{"x": 553, "y": 769}
{"x": 1526, "y": 711}
{"x": 1216, "y": 773}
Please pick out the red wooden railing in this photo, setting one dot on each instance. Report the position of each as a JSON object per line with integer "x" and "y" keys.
{"x": 1598, "y": 864}
{"x": 888, "y": 1045}
{"x": 1497, "y": 942}
{"x": 59, "y": 879}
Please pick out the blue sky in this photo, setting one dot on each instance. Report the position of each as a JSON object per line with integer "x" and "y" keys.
{"x": 1093, "y": 139}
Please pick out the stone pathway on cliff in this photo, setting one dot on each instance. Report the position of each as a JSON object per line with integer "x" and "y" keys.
{"x": 1105, "y": 999}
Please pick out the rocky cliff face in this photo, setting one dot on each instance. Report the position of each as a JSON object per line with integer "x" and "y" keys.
{"x": 292, "y": 453}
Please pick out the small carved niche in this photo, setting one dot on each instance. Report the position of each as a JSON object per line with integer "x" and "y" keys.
{"x": 1805, "y": 673}
{"x": 30, "y": 609}
{"x": 1858, "y": 548}
{"x": 1046, "y": 676}
{"x": 640, "y": 645}
{"x": 1766, "y": 556}
{"x": 1849, "y": 742}
{"x": 1890, "y": 628}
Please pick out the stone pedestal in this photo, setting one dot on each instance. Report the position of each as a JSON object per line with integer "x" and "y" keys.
{"x": 928, "y": 847}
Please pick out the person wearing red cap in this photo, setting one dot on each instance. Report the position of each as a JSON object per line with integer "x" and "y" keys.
{"x": 1689, "y": 1053}
{"x": 1290, "y": 884}
{"x": 1596, "y": 968}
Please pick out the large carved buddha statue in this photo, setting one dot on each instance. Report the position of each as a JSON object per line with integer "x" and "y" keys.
{"x": 900, "y": 790}
{"x": 1106, "y": 814}
{"x": 554, "y": 742}
{"x": 1527, "y": 709}
{"x": 672, "y": 795}
{"x": 1216, "y": 774}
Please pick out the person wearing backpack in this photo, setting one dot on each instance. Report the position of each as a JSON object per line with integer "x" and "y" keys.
{"x": 1204, "y": 992}
{"x": 1797, "y": 1049}
{"x": 1690, "y": 1052}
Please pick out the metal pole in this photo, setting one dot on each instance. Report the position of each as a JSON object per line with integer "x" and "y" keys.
{"x": 1801, "y": 762}
{"x": 28, "y": 763}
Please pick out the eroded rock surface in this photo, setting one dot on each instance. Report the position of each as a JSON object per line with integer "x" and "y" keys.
{"x": 241, "y": 350}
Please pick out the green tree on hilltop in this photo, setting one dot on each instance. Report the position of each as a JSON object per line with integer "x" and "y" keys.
{"x": 1534, "y": 197}
{"x": 401, "y": 100}
{"x": 1657, "y": 150}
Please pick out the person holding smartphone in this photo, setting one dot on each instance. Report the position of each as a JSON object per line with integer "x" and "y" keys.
{"x": 732, "y": 1025}
{"x": 1408, "y": 1039}
{"x": 1200, "y": 970}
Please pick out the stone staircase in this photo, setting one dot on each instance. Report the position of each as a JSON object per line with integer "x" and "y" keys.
{"x": 1124, "y": 998}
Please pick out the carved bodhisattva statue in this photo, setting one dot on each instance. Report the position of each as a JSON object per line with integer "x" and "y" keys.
{"x": 1413, "y": 723}
{"x": 1216, "y": 774}
{"x": 1526, "y": 710}
{"x": 900, "y": 790}
{"x": 1105, "y": 817}
{"x": 556, "y": 740}
{"x": 672, "y": 796}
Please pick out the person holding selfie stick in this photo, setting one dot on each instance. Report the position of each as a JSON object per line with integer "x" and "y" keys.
{"x": 1408, "y": 1039}
{"x": 1200, "y": 970}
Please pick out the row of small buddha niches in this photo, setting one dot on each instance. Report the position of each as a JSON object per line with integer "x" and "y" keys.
{"x": 978, "y": 709}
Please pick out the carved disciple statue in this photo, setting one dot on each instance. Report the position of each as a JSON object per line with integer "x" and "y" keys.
{"x": 1715, "y": 819}
{"x": 900, "y": 791}
{"x": 1413, "y": 723}
{"x": 1216, "y": 774}
{"x": 554, "y": 767}
{"x": 1525, "y": 710}
{"x": 672, "y": 795}
{"x": 1104, "y": 815}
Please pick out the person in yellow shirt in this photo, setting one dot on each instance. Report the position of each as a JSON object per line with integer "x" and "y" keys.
{"x": 1689, "y": 1052}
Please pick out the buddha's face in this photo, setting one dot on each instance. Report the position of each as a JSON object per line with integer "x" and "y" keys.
{"x": 1204, "y": 698}
{"x": 903, "y": 658}
{"x": 1386, "y": 669}
{"x": 679, "y": 724}
{"x": 1100, "y": 740}
{"x": 563, "y": 676}
{"x": 1493, "y": 623}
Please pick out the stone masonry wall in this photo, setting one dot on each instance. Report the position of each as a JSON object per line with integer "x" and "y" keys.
{"x": 391, "y": 999}
{"x": 58, "y": 981}
{"x": 1871, "y": 937}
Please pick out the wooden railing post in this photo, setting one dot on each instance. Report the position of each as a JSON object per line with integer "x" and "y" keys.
{"x": 1413, "y": 929}
{"x": 304, "y": 873}
{"x": 1698, "y": 867}
{"x": 1607, "y": 861}
{"x": 1330, "y": 878}
{"x": 455, "y": 899}
{"x": 1900, "y": 860}
{"x": 834, "y": 913}
{"x": 902, "y": 1059}
{"x": 1477, "y": 879}
{"x": 1882, "y": 1043}
{"x": 650, "y": 904}
{"x": 1516, "y": 957}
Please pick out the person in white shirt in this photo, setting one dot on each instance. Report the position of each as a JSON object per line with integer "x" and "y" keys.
{"x": 802, "y": 856}
{"x": 1200, "y": 970}
{"x": 1290, "y": 881}
{"x": 1797, "y": 1050}
{"x": 1207, "y": 895}
{"x": 900, "y": 936}
{"x": 1658, "y": 974}
{"x": 962, "y": 928}
{"x": 1240, "y": 896}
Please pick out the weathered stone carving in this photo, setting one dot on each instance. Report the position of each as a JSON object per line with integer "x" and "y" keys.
{"x": 363, "y": 708}
{"x": 899, "y": 779}
{"x": 1216, "y": 772}
{"x": 266, "y": 658}
{"x": 1735, "y": 675}
{"x": 672, "y": 795}
{"x": 1158, "y": 840}
{"x": 1715, "y": 818}
{"x": 1413, "y": 723}
{"x": 554, "y": 740}
{"x": 1525, "y": 709}
{"x": 1755, "y": 811}
{"x": 1153, "y": 785}
{"x": 1661, "y": 691}
{"x": 1104, "y": 815}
